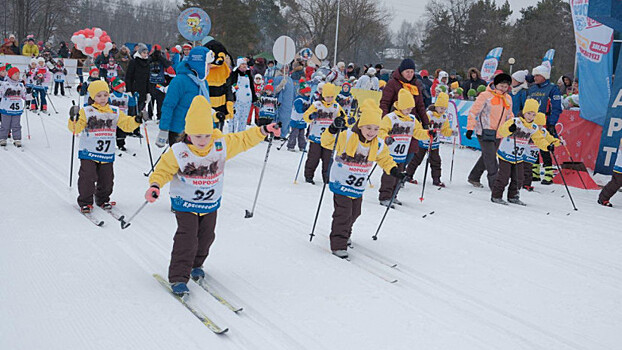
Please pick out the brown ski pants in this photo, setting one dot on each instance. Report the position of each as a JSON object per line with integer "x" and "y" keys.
{"x": 347, "y": 210}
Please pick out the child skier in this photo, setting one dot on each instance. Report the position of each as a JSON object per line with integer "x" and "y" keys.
{"x": 12, "y": 101}
{"x": 99, "y": 122}
{"x": 439, "y": 122}
{"x": 4, "y": 71}
{"x": 93, "y": 76}
{"x": 345, "y": 99}
{"x": 268, "y": 103}
{"x": 30, "y": 73}
{"x": 320, "y": 116}
{"x": 39, "y": 90}
{"x": 113, "y": 70}
{"x": 59, "y": 72}
{"x": 516, "y": 133}
{"x": 195, "y": 167}
{"x": 616, "y": 181}
{"x": 397, "y": 129}
{"x": 297, "y": 123}
{"x": 357, "y": 149}
{"x": 532, "y": 153}
{"x": 126, "y": 103}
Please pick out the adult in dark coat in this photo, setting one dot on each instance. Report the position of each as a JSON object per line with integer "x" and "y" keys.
{"x": 473, "y": 81}
{"x": 137, "y": 75}
{"x": 63, "y": 51}
{"x": 80, "y": 57}
{"x": 157, "y": 65}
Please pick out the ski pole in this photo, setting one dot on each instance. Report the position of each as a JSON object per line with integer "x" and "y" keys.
{"x": 126, "y": 224}
{"x": 282, "y": 143}
{"x": 563, "y": 179}
{"x": 395, "y": 191}
{"x": 249, "y": 214}
{"x": 319, "y": 205}
{"x": 148, "y": 145}
{"x": 368, "y": 176}
{"x": 156, "y": 162}
{"x": 300, "y": 164}
{"x": 27, "y": 123}
{"x": 52, "y": 103}
{"x": 453, "y": 152}
{"x": 43, "y": 125}
{"x": 73, "y": 142}
{"x": 427, "y": 165}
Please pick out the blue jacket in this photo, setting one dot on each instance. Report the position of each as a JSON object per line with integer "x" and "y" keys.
{"x": 550, "y": 100}
{"x": 180, "y": 93}
{"x": 518, "y": 100}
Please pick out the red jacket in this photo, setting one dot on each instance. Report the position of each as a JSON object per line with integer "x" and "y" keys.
{"x": 390, "y": 91}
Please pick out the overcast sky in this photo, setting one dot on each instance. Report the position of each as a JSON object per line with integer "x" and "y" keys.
{"x": 410, "y": 10}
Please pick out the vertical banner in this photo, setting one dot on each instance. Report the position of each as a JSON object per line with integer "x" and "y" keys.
{"x": 547, "y": 60}
{"x": 612, "y": 127}
{"x": 594, "y": 62}
{"x": 490, "y": 63}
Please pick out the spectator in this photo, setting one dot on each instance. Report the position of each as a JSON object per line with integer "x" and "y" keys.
{"x": 30, "y": 49}
{"x": 427, "y": 86}
{"x": 453, "y": 76}
{"x": 10, "y": 47}
{"x": 137, "y": 74}
{"x": 123, "y": 57}
{"x": 564, "y": 84}
{"x": 259, "y": 67}
{"x": 80, "y": 57}
{"x": 157, "y": 66}
{"x": 337, "y": 75}
{"x": 101, "y": 62}
{"x": 519, "y": 90}
{"x": 298, "y": 69}
{"x": 473, "y": 82}
{"x": 47, "y": 50}
{"x": 114, "y": 51}
{"x": 63, "y": 51}
{"x": 350, "y": 71}
{"x": 244, "y": 95}
{"x": 368, "y": 81}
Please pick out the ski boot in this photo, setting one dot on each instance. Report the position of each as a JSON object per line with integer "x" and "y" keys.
{"x": 85, "y": 209}
{"x": 516, "y": 200}
{"x": 528, "y": 188}
{"x": 293, "y": 150}
{"x": 106, "y": 205}
{"x": 180, "y": 289}
{"x": 546, "y": 182}
{"x": 17, "y": 143}
{"x": 309, "y": 180}
{"x": 44, "y": 108}
{"x": 349, "y": 242}
{"x": 475, "y": 184}
{"x": 385, "y": 203}
{"x": 197, "y": 273}
{"x": 605, "y": 203}
{"x": 439, "y": 184}
{"x": 3, "y": 143}
{"x": 122, "y": 148}
{"x": 498, "y": 201}
{"x": 397, "y": 201}
{"x": 342, "y": 254}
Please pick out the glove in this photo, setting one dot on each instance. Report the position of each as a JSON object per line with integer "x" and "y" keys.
{"x": 162, "y": 138}
{"x": 389, "y": 140}
{"x": 432, "y": 133}
{"x": 141, "y": 117}
{"x": 272, "y": 128}
{"x": 220, "y": 116}
{"x": 512, "y": 127}
{"x": 395, "y": 172}
{"x": 338, "y": 125}
{"x": 469, "y": 134}
{"x": 551, "y": 148}
{"x": 74, "y": 112}
{"x": 152, "y": 194}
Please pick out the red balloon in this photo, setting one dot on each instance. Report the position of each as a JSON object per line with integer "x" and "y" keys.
{"x": 101, "y": 46}
{"x": 104, "y": 38}
{"x": 88, "y": 33}
{"x": 88, "y": 50}
{"x": 96, "y": 54}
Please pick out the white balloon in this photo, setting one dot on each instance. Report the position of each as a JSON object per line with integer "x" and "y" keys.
{"x": 88, "y": 42}
{"x": 81, "y": 37}
{"x": 74, "y": 39}
{"x": 108, "y": 46}
{"x": 98, "y": 32}
{"x": 95, "y": 41}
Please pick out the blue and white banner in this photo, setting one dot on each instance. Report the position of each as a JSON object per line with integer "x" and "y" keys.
{"x": 490, "y": 63}
{"x": 594, "y": 62}
{"x": 612, "y": 128}
{"x": 547, "y": 60}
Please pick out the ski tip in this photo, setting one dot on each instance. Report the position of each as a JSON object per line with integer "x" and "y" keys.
{"x": 124, "y": 224}
{"x": 222, "y": 331}
{"x": 100, "y": 224}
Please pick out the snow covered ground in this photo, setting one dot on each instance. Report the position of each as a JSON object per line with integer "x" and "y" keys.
{"x": 473, "y": 275}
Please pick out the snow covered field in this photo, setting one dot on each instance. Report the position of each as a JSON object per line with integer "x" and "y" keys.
{"x": 473, "y": 275}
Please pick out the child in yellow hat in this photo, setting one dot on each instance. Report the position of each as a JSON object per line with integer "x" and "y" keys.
{"x": 532, "y": 153}
{"x": 195, "y": 167}
{"x": 397, "y": 130}
{"x": 320, "y": 116}
{"x": 516, "y": 133}
{"x": 98, "y": 122}
{"x": 357, "y": 150}
{"x": 439, "y": 122}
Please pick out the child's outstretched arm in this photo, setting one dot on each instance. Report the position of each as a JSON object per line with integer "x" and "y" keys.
{"x": 242, "y": 141}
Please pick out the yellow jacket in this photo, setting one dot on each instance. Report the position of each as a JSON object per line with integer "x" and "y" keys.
{"x": 383, "y": 158}
{"x": 312, "y": 109}
{"x": 30, "y": 50}
{"x": 537, "y": 137}
{"x": 126, "y": 123}
{"x": 235, "y": 143}
{"x": 386, "y": 125}
{"x": 445, "y": 128}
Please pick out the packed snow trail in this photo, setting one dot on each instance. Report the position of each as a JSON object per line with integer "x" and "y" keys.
{"x": 472, "y": 276}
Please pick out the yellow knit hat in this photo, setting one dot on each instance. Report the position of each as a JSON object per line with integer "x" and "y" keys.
{"x": 329, "y": 90}
{"x": 454, "y": 85}
{"x": 370, "y": 113}
{"x": 96, "y": 87}
{"x": 540, "y": 119}
{"x": 199, "y": 117}
{"x": 531, "y": 105}
{"x": 442, "y": 100}
{"x": 405, "y": 100}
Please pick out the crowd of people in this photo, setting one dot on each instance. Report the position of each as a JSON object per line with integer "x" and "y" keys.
{"x": 204, "y": 101}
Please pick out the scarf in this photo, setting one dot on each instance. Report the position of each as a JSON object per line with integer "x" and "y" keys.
{"x": 498, "y": 99}
{"x": 353, "y": 143}
{"x": 203, "y": 90}
{"x": 410, "y": 87}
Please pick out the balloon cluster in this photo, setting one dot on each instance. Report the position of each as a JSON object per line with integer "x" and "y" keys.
{"x": 92, "y": 41}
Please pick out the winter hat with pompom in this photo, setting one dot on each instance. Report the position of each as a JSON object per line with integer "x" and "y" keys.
{"x": 196, "y": 121}
{"x": 405, "y": 100}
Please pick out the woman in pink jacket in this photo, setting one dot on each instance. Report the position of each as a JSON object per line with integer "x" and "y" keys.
{"x": 491, "y": 108}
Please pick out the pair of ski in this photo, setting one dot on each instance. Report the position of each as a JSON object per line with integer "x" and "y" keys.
{"x": 21, "y": 148}
{"x": 114, "y": 212}
{"x": 377, "y": 271}
{"x": 211, "y": 325}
